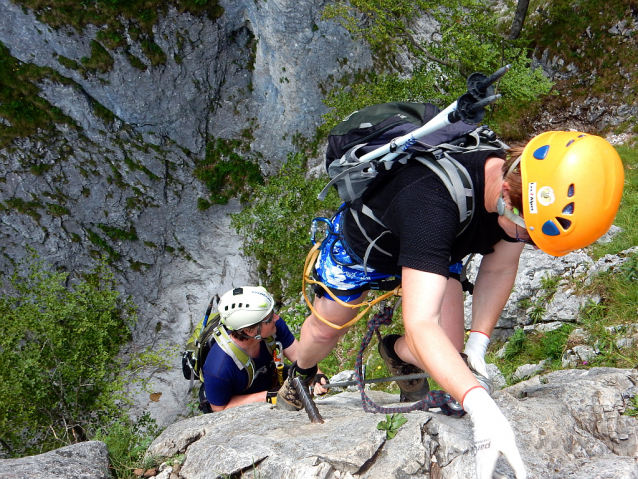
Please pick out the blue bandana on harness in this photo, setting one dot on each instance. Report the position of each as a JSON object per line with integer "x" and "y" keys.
{"x": 341, "y": 270}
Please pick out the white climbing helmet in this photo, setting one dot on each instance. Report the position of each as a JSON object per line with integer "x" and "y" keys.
{"x": 245, "y": 306}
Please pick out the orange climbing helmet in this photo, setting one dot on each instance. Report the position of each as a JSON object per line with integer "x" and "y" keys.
{"x": 572, "y": 184}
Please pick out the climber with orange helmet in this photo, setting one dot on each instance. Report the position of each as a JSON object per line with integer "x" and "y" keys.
{"x": 559, "y": 193}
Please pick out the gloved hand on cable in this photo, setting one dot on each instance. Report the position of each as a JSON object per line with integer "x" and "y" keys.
{"x": 493, "y": 435}
{"x": 475, "y": 349}
{"x": 318, "y": 382}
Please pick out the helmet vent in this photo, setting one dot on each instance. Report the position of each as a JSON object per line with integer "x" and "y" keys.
{"x": 550, "y": 229}
{"x": 240, "y": 305}
{"x": 564, "y": 222}
{"x": 569, "y": 143}
{"x": 569, "y": 209}
{"x": 570, "y": 191}
{"x": 541, "y": 153}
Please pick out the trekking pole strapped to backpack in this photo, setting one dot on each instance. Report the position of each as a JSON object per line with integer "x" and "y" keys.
{"x": 469, "y": 108}
{"x": 373, "y": 143}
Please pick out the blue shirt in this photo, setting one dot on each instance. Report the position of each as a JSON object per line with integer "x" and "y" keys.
{"x": 223, "y": 379}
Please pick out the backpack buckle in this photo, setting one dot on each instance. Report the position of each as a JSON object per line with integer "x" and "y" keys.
{"x": 487, "y": 133}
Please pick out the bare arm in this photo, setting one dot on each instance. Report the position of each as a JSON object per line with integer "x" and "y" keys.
{"x": 292, "y": 351}
{"x": 494, "y": 284}
{"x": 241, "y": 399}
{"x": 422, "y": 299}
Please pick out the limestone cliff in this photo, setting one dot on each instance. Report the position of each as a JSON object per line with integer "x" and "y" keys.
{"x": 119, "y": 179}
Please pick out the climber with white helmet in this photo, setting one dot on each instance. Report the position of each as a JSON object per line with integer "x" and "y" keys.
{"x": 244, "y": 363}
{"x": 559, "y": 193}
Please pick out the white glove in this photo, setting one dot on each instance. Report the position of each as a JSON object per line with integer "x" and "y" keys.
{"x": 493, "y": 436}
{"x": 475, "y": 349}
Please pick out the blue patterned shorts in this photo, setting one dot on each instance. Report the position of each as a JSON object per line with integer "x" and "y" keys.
{"x": 341, "y": 270}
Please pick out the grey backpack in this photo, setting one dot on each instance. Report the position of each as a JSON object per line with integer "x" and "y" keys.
{"x": 367, "y": 129}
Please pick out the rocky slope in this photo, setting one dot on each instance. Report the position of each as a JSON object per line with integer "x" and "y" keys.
{"x": 570, "y": 423}
{"x": 258, "y": 73}
{"x": 567, "y": 424}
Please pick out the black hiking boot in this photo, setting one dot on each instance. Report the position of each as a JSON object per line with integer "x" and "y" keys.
{"x": 485, "y": 382}
{"x": 412, "y": 390}
{"x": 287, "y": 397}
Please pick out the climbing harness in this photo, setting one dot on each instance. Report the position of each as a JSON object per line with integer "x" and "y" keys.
{"x": 308, "y": 278}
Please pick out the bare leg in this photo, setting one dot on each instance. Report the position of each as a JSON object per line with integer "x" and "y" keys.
{"x": 316, "y": 338}
{"x": 452, "y": 322}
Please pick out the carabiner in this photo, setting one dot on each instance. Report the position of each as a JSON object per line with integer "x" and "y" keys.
{"x": 314, "y": 227}
{"x": 278, "y": 352}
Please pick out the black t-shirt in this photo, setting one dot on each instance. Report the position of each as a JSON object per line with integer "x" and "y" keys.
{"x": 423, "y": 220}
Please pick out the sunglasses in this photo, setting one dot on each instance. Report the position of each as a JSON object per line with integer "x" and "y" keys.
{"x": 269, "y": 319}
{"x": 524, "y": 240}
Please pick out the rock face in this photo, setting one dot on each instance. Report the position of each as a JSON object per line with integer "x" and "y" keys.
{"x": 258, "y": 69}
{"x": 85, "y": 460}
{"x": 567, "y": 424}
{"x": 543, "y": 297}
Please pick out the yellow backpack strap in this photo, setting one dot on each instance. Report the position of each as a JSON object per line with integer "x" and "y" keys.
{"x": 271, "y": 343}
{"x": 240, "y": 357}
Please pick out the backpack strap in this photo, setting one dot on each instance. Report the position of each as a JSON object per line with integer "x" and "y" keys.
{"x": 240, "y": 357}
{"x": 458, "y": 182}
{"x": 349, "y": 159}
{"x": 271, "y": 343}
{"x": 372, "y": 243}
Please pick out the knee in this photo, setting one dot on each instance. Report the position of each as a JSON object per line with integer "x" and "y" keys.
{"x": 323, "y": 333}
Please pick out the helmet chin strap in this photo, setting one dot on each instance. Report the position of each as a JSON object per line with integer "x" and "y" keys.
{"x": 503, "y": 210}
{"x": 258, "y": 335}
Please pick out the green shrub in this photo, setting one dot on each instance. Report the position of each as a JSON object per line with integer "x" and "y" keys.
{"x": 516, "y": 344}
{"x": 127, "y": 442}
{"x": 58, "y": 348}
{"x": 153, "y": 52}
{"x": 275, "y": 225}
{"x": 100, "y": 60}
{"x": 471, "y": 39}
{"x": 20, "y": 103}
{"x": 532, "y": 347}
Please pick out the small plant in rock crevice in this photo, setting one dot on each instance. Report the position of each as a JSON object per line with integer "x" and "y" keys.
{"x": 392, "y": 424}
{"x": 631, "y": 409}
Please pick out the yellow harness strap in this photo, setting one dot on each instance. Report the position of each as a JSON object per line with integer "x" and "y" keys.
{"x": 308, "y": 279}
